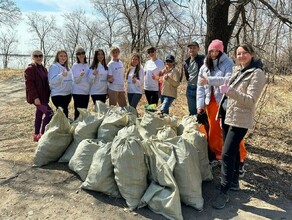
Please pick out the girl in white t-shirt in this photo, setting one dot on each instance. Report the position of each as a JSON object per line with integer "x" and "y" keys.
{"x": 116, "y": 75}
{"x": 98, "y": 74}
{"x": 135, "y": 79}
{"x": 80, "y": 87}
{"x": 152, "y": 69}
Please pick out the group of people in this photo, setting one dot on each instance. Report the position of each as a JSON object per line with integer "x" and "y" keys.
{"x": 225, "y": 95}
{"x": 98, "y": 80}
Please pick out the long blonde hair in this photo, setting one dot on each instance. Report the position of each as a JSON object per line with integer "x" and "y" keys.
{"x": 56, "y": 60}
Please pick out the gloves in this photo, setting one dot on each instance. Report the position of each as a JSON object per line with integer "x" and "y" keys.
{"x": 202, "y": 118}
{"x": 224, "y": 88}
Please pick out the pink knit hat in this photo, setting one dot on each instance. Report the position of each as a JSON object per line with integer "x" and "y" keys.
{"x": 216, "y": 45}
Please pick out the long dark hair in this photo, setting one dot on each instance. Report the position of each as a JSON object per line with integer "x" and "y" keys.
{"x": 95, "y": 60}
{"x": 209, "y": 61}
{"x": 247, "y": 47}
{"x": 137, "y": 68}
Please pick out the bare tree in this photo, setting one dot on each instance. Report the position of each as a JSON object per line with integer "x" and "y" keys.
{"x": 8, "y": 45}
{"x": 220, "y": 25}
{"x": 43, "y": 28}
{"x": 9, "y": 12}
{"x": 74, "y": 31}
{"x": 109, "y": 29}
{"x": 91, "y": 39}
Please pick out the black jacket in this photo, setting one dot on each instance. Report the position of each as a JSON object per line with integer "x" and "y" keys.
{"x": 199, "y": 59}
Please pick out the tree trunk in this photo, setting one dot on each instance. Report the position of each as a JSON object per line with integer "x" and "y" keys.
{"x": 217, "y": 25}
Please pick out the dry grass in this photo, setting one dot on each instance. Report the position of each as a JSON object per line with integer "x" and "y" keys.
{"x": 269, "y": 145}
{"x": 10, "y": 73}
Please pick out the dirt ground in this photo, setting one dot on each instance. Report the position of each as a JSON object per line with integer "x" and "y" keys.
{"x": 53, "y": 191}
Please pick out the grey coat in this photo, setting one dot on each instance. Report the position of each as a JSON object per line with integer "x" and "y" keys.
{"x": 243, "y": 94}
{"x": 216, "y": 78}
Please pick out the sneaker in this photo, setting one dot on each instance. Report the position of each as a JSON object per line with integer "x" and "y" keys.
{"x": 220, "y": 201}
{"x": 234, "y": 186}
{"x": 242, "y": 171}
{"x": 39, "y": 136}
{"x": 35, "y": 138}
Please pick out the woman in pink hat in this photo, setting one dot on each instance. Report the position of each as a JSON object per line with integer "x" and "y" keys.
{"x": 216, "y": 69}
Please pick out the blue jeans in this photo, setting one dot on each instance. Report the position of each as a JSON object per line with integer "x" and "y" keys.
{"x": 191, "y": 94}
{"x": 166, "y": 102}
{"x": 134, "y": 99}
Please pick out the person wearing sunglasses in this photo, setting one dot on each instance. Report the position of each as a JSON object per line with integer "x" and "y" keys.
{"x": 38, "y": 93}
{"x": 170, "y": 78}
{"x": 80, "y": 86}
{"x": 60, "y": 80}
{"x": 152, "y": 69}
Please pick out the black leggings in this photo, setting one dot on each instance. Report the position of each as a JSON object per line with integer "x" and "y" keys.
{"x": 101, "y": 98}
{"x": 232, "y": 137}
{"x": 62, "y": 101}
{"x": 80, "y": 101}
{"x": 152, "y": 97}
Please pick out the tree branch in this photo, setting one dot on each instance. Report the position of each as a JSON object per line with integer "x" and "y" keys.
{"x": 284, "y": 19}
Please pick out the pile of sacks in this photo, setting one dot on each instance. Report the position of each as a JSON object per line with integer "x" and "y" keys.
{"x": 151, "y": 160}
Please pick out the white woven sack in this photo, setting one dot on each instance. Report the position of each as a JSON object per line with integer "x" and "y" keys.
{"x": 130, "y": 170}
{"x": 86, "y": 129}
{"x": 112, "y": 123}
{"x": 188, "y": 121}
{"x": 100, "y": 176}
{"x": 165, "y": 132}
{"x": 129, "y": 131}
{"x": 151, "y": 121}
{"x": 82, "y": 158}
{"x": 162, "y": 195}
{"x": 187, "y": 172}
{"x": 54, "y": 141}
{"x": 199, "y": 142}
{"x": 101, "y": 107}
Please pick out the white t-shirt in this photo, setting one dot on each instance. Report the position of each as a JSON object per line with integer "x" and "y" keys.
{"x": 98, "y": 82}
{"x": 138, "y": 86}
{"x": 152, "y": 67}
{"x": 116, "y": 69}
{"x": 80, "y": 83}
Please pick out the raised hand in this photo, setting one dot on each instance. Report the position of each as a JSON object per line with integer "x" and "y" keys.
{"x": 224, "y": 88}
{"x": 155, "y": 77}
{"x": 37, "y": 101}
{"x": 64, "y": 73}
{"x": 134, "y": 80}
{"x": 82, "y": 72}
{"x": 110, "y": 78}
{"x": 203, "y": 80}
